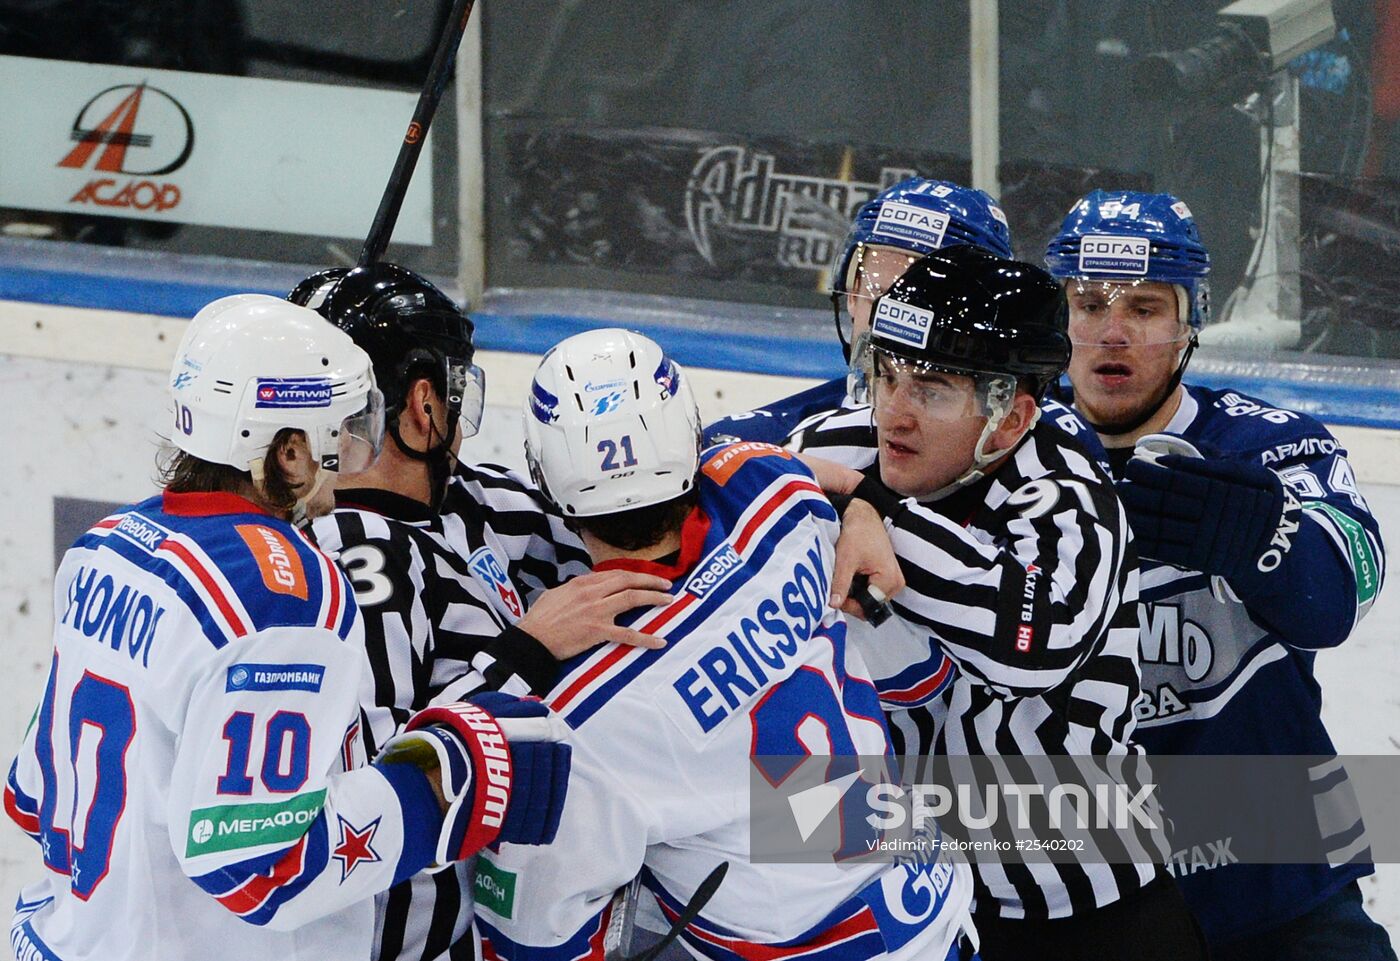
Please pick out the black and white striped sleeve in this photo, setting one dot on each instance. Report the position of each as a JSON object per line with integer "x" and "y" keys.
{"x": 846, "y": 436}
{"x": 1021, "y": 608}
{"x": 543, "y": 551}
{"x": 429, "y": 637}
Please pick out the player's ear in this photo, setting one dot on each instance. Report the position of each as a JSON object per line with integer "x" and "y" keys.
{"x": 422, "y": 405}
{"x": 293, "y": 455}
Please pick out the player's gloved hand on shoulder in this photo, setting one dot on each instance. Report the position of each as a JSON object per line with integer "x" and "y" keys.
{"x": 504, "y": 766}
{"x": 1217, "y": 516}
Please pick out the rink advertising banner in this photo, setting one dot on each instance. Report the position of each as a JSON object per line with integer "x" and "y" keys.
{"x": 689, "y": 203}
{"x": 1190, "y": 813}
{"x": 206, "y": 149}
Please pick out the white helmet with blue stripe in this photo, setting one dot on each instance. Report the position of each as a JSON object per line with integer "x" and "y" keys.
{"x": 611, "y": 425}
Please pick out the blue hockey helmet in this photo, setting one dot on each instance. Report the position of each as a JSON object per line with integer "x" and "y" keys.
{"x": 1125, "y": 236}
{"x": 921, "y": 216}
{"x": 916, "y": 216}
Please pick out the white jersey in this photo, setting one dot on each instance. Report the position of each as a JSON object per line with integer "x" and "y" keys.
{"x": 755, "y": 665}
{"x": 193, "y": 775}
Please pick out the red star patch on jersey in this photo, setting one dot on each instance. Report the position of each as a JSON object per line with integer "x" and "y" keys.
{"x": 356, "y": 845}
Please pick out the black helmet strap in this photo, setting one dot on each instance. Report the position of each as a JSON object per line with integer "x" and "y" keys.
{"x": 438, "y": 456}
{"x": 1150, "y": 410}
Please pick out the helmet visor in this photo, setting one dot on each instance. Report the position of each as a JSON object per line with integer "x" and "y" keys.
{"x": 360, "y": 437}
{"x": 466, "y": 394}
{"x": 872, "y": 272}
{"x": 930, "y": 392}
{"x": 1125, "y": 313}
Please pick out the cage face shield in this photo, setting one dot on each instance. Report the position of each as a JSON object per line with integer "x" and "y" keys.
{"x": 359, "y": 438}
{"x": 934, "y": 393}
{"x": 1127, "y": 313}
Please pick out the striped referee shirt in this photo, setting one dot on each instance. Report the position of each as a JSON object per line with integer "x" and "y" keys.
{"x": 440, "y": 595}
{"x": 1021, "y": 602}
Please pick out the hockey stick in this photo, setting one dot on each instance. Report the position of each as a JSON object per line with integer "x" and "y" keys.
{"x": 692, "y": 909}
{"x": 394, "y": 191}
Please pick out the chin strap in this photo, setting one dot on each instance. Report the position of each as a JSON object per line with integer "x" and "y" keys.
{"x": 857, "y": 381}
{"x": 1127, "y": 427}
{"x": 299, "y": 517}
{"x": 999, "y": 397}
{"x": 439, "y": 458}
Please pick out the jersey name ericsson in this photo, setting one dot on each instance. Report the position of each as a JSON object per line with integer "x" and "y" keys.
{"x": 754, "y": 655}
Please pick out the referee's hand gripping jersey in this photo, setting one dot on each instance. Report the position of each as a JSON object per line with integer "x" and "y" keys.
{"x": 663, "y": 738}
{"x": 1017, "y": 631}
{"x": 455, "y": 566}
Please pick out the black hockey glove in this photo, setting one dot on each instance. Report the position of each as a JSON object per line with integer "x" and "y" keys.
{"x": 1216, "y": 516}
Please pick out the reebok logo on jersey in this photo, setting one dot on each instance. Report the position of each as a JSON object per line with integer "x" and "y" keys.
{"x": 902, "y": 323}
{"x": 1111, "y": 254}
{"x": 293, "y": 392}
{"x": 721, "y": 467}
{"x": 275, "y": 677}
{"x": 141, "y": 531}
{"x": 909, "y": 222}
{"x": 714, "y": 570}
{"x": 277, "y": 559}
{"x": 229, "y": 827}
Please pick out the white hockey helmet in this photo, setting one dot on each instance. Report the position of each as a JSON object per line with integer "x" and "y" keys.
{"x": 611, "y": 424}
{"x": 251, "y": 364}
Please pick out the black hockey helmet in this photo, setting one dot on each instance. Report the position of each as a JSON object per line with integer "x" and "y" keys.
{"x": 409, "y": 328}
{"x": 964, "y": 310}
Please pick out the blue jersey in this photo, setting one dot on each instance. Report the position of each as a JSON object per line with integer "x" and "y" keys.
{"x": 1224, "y": 674}
{"x": 773, "y": 423}
{"x": 755, "y": 664}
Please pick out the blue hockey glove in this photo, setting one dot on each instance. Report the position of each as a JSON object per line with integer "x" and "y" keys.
{"x": 1216, "y": 516}
{"x": 504, "y": 765}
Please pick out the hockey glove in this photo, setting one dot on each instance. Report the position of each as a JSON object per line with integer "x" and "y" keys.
{"x": 1216, "y": 516}
{"x": 504, "y": 768}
